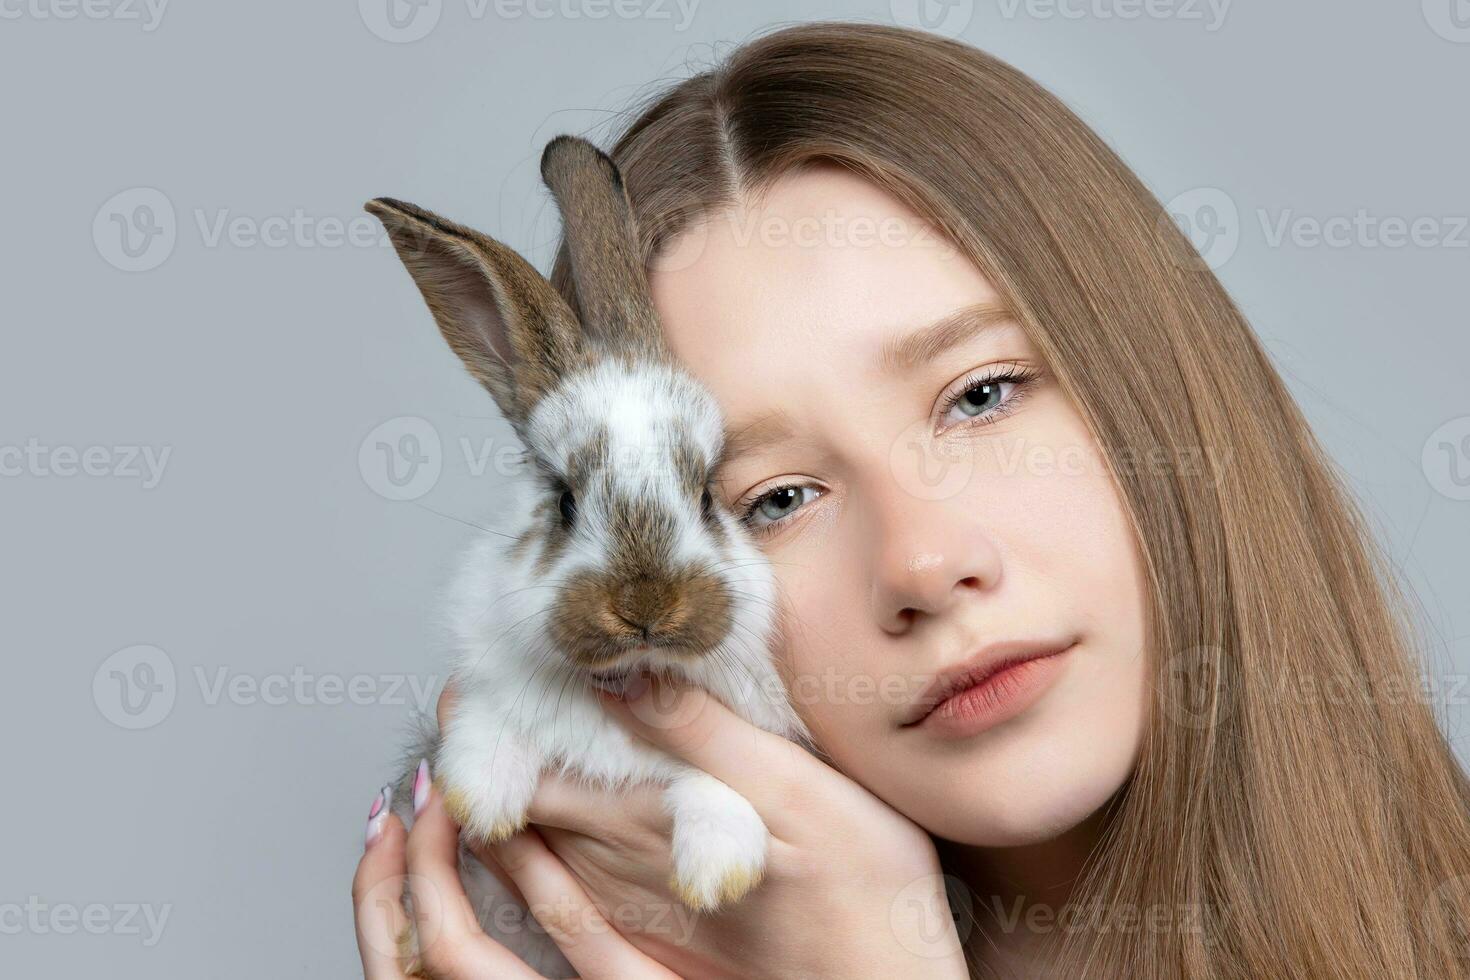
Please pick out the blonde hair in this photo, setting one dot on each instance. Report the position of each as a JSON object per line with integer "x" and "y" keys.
{"x": 1315, "y": 835}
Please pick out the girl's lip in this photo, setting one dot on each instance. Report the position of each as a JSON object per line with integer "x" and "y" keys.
{"x": 975, "y": 700}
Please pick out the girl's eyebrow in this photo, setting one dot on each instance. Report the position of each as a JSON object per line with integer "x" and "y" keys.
{"x": 773, "y": 426}
{"x": 925, "y": 344}
{"x": 896, "y": 354}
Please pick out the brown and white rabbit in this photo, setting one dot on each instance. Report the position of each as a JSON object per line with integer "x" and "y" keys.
{"x": 613, "y": 553}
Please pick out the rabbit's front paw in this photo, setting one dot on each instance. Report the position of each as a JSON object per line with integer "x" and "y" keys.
{"x": 408, "y": 952}
{"x": 488, "y": 793}
{"x": 481, "y": 816}
{"x": 719, "y": 842}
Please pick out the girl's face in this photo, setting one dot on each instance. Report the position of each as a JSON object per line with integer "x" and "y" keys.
{"x": 920, "y": 500}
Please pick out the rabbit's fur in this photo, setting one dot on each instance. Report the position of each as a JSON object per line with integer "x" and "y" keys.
{"x": 622, "y": 439}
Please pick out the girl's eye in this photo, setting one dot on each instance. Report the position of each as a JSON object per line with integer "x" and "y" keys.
{"x": 989, "y": 396}
{"x": 775, "y": 505}
{"x": 982, "y": 398}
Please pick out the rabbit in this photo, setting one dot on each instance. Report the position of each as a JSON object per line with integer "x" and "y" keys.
{"x": 614, "y": 554}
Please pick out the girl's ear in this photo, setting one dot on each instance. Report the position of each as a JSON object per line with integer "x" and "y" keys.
{"x": 507, "y": 324}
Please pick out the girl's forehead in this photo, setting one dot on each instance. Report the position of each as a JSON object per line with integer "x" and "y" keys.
{"x": 805, "y": 220}
{"x": 738, "y": 325}
{"x": 822, "y": 257}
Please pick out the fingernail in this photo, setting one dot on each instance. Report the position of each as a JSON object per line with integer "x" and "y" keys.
{"x": 421, "y": 786}
{"x": 636, "y": 687}
{"x": 378, "y": 816}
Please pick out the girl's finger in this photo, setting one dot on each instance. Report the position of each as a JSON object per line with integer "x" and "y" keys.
{"x": 554, "y": 896}
{"x": 689, "y": 722}
{"x": 444, "y": 707}
{"x": 377, "y": 892}
{"x": 569, "y": 803}
{"x": 450, "y": 942}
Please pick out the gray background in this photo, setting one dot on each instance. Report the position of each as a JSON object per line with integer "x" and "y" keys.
{"x": 268, "y": 557}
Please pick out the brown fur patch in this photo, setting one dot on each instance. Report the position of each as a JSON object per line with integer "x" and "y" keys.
{"x": 602, "y": 241}
{"x": 554, "y": 534}
{"x": 695, "y": 474}
{"x": 596, "y": 617}
{"x": 522, "y": 544}
{"x": 587, "y": 459}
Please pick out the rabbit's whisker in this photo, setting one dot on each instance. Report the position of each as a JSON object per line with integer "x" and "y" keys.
{"x": 461, "y": 520}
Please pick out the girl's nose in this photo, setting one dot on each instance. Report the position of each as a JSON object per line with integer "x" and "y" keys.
{"x": 926, "y": 555}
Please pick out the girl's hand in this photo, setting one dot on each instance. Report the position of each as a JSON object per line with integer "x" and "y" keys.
{"x": 852, "y": 888}
{"x": 452, "y": 945}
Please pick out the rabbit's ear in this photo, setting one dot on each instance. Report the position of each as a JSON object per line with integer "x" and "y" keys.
{"x": 602, "y": 240}
{"x": 513, "y": 330}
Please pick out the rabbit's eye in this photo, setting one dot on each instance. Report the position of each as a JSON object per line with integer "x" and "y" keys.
{"x": 568, "y": 505}
{"x": 706, "y": 503}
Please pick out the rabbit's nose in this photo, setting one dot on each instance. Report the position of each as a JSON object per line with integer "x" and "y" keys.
{"x": 639, "y": 627}
{"x": 645, "y": 604}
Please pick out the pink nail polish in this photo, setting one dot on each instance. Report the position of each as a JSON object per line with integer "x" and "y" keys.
{"x": 421, "y": 786}
{"x": 378, "y": 815}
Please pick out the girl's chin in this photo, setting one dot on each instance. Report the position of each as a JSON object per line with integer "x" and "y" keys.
{"x": 1020, "y": 817}
{"x": 1008, "y": 837}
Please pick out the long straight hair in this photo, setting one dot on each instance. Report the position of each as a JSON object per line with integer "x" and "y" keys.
{"x": 1293, "y": 798}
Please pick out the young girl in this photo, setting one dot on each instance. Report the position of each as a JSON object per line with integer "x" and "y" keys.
{"x": 1155, "y": 706}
